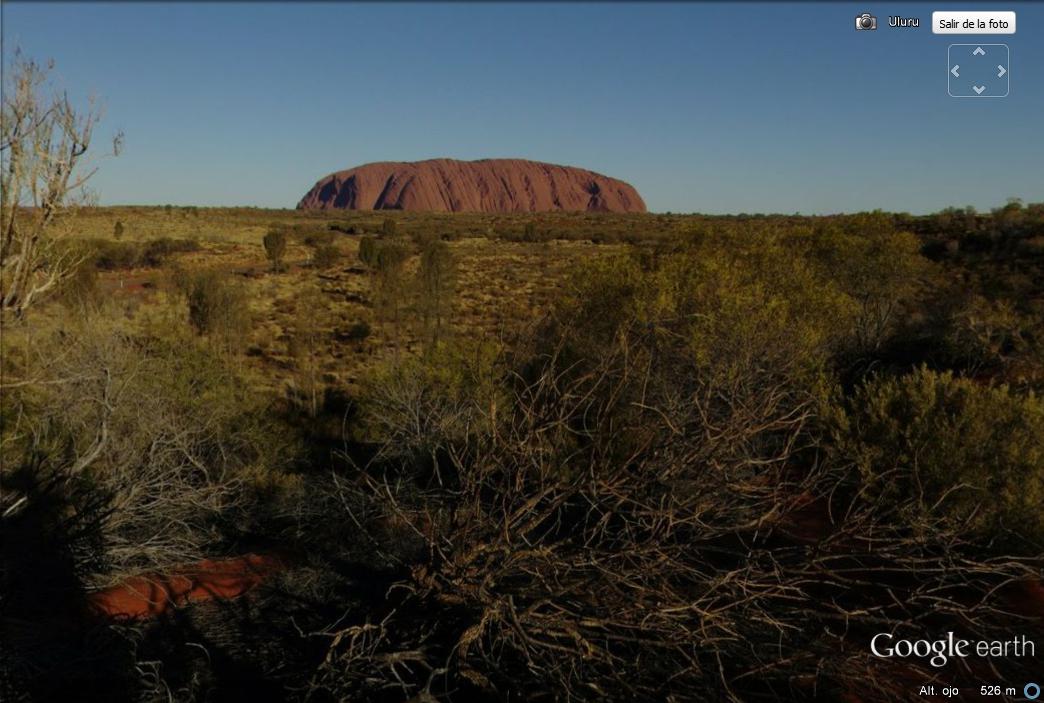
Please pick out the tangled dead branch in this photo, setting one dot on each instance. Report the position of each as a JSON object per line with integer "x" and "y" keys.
{"x": 639, "y": 535}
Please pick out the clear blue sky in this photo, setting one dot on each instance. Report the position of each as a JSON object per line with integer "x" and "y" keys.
{"x": 703, "y": 107}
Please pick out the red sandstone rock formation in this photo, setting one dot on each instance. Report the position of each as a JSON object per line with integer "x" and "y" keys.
{"x": 489, "y": 185}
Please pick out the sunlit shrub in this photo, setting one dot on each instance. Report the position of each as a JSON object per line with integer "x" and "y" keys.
{"x": 326, "y": 256}
{"x": 217, "y": 307}
{"x": 155, "y": 251}
{"x": 949, "y": 447}
{"x": 318, "y": 238}
{"x": 878, "y": 268}
{"x": 111, "y": 255}
{"x": 275, "y": 242}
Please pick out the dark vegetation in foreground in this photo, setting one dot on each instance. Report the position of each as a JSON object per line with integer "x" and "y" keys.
{"x": 732, "y": 451}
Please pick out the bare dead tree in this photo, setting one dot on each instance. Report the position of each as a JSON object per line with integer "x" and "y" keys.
{"x": 43, "y": 143}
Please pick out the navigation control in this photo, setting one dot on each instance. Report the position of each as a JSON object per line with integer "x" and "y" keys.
{"x": 978, "y": 70}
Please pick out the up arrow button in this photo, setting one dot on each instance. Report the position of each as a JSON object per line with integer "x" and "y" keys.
{"x": 978, "y": 51}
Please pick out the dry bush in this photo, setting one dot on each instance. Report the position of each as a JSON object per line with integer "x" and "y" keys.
{"x": 978, "y": 334}
{"x": 120, "y": 455}
{"x": 650, "y": 512}
{"x": 306, "y": 338}
{"x": 158, "y": 431}
{"x": 156, "y": 251}
{"x": 415, "y": 408}
{"x": 275, "y": 242}
{"x": 316, "y": 238}
{"x": 217, "y": 307}
{"x": 111, "y": 254}
{"x": 368, "y": 251}
{"x": 79, "y": 290}
{"x": 326, "y": 256}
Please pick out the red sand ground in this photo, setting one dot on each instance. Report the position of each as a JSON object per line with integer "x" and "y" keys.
{"x": 154, "y": 594}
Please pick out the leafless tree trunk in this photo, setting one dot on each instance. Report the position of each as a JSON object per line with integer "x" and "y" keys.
{"x": 42, "y": 143}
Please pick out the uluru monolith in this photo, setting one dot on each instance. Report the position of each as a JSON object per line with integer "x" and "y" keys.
{"x": 487, "y": 185}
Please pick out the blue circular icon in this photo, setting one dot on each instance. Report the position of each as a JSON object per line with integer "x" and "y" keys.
{"x": 1031, "y": 691}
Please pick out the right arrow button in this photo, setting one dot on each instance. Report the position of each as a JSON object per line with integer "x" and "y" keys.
{"x": 1001, "y": 71}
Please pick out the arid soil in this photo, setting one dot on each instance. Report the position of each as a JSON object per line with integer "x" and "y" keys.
{"x": 154, "y": 594}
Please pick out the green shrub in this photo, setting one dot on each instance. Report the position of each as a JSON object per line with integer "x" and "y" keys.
{"x": 368, "y": 251}
{"x": 436, "y": 287}
{"x": 217, "y": 308}
{"x": 275, "y": 247}
{"x": 155, "y": 251}
{"x": 877, "y": 267}
{"x": 318, "y": 238}
{"x": 728, "y": 310}
{"x": 383, "y": 255}
{"x": 952, "y": 449}
{"x": 326, "y": 256}
{"x": 529, "y": 233}
{"x": 111, "y": 255}
{"x": 721, "y": 338}
{"x": 388, "y": 227}
{"x": 390, "y": 286}
{"x": 356, "y": 332}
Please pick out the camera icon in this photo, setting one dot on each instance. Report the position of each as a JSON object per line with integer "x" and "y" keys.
{"x": 866, "y": 21}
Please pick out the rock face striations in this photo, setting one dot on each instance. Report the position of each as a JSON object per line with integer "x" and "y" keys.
{"x": 488, "y": 185}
